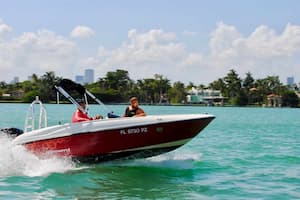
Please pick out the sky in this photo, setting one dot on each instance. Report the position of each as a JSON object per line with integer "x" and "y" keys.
{"x": 189, "y": 41}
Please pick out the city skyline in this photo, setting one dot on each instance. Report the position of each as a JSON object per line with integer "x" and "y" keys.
{"x": 290, "y": 80}
{"x": 195, "y": 41}
{"x": 87, "y": 78}
{"x": 82, "y": 79}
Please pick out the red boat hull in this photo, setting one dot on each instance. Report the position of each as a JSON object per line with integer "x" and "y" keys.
{"x": 130, "y": 142}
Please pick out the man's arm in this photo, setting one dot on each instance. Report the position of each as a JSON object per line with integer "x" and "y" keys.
{"x": 140, "y": 113}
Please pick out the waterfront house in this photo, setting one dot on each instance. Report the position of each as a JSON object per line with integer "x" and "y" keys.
{"x": 274, "y": 100}
{"x": 205, "y": 96}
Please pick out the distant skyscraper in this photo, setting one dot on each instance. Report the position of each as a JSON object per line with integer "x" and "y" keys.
{"x": 79, "y": 79}
{"x": 290, "y": 80}
{"x": 89, "y": 76}
{"x": 15, "y": 80}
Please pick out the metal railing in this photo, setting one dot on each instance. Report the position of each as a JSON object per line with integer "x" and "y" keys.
{"x": 36, "y": 117}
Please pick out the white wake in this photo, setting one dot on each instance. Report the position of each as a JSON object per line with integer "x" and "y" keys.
{"x": 175, "y": 160}
{"x": 15, "y": 160}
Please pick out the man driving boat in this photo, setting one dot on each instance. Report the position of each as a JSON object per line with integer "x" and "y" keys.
{"x": 80, "y": 116}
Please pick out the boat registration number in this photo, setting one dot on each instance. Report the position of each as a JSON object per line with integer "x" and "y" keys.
{"x": 133, "y": 130}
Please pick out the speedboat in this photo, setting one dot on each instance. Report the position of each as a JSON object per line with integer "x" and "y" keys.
{"x": 110, "y": 138}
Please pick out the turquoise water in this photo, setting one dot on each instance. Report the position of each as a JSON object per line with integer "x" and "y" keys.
{"x": 245, "y": 153}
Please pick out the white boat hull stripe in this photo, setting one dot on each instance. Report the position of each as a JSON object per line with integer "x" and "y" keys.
{"x": 157, "y": 146}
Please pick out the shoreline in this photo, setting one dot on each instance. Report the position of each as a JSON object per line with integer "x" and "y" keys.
{"x": 148, "y": 104}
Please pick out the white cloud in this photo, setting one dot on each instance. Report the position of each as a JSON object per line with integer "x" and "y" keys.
{"x": 263, "y": 52}
{"x": 223, "y": 38}
{"x": 82, "y": 32}
{"x": 37, "y": 53}
{"x": 145, "y": 54}
{"x": 5, "y": 30}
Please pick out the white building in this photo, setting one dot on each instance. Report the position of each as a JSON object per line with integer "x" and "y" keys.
{"x": 205, "y": 96}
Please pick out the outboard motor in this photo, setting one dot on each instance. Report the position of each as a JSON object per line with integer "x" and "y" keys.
{"x": 12, "y": 132}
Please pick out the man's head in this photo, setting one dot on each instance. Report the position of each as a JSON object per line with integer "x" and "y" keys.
{"x": 81, "y": 102}
{"x": 134, "y": 102}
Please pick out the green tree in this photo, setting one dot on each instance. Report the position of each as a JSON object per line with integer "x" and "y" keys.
{"x": 162, "y": 85}
{"x": 290, "y": 99}
{"x": 202, "y": 87}
{"x": 147, "y": 86}
{"x": 27, "y": 86}
{"x": 118, "y": 81}
{"x": 30, "y": 96}
{"x": 268, "y": 85}
{"x": 190, "y": 86}
{"x": 241, "y": 99}
{"x": 273, "y": 84}
{"x": 46, "y": 85}
{"x": 248, "y": 82}
{"x": 233, "y": 84}
{"x": 34, "y": 78}
{"x": 3, "y": 85}
{"x": 218, "y": 85}
{"x": 153, "y": 89}
{"x": 177, "y": 93}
